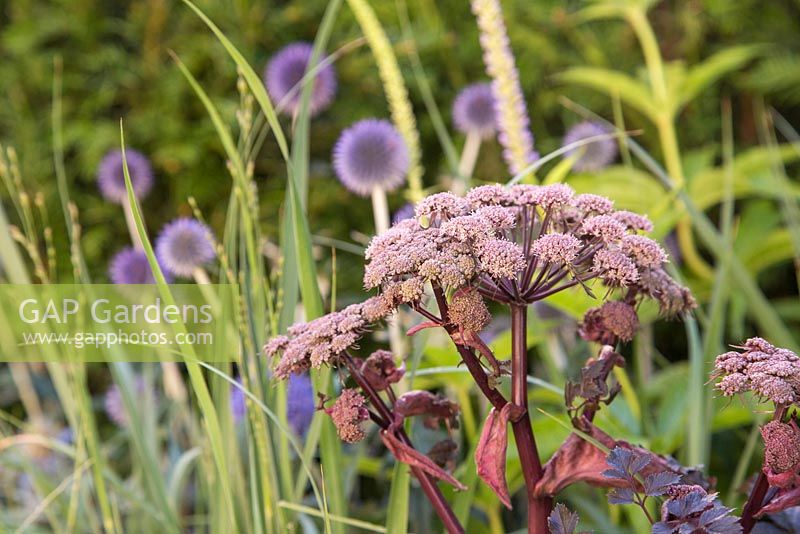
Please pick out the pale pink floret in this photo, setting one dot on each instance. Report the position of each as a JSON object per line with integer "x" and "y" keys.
{"x": 605, "y": 227}
{"x": 556, "y": 248}
{"x": 500, "y": 258}
{"x": 615, "y": 268}
{"x": 444, "y": 205}
{"x": 501, "y": 218}
{"x": 276, "y": 345}
{"x": 524, "y": 194}
{"x": 323, "y": 340}
{"x": 759, "y": 344}
{"x": 595, "y": 204}
{"x": 489, "y": 195}
{"x": 553, "y": 196}
{"x": 730, "y": 362}
{"x": 644, "y": 251}
{"x": 470, "y": 228}
{"x": 633, "y": 221}
{"x": 733, "y": 384}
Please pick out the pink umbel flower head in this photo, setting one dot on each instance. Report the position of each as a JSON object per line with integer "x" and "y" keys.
{"x": 769, "y": 372}
{"x": 522, "y": 244}
{"x": 323, "y": 340}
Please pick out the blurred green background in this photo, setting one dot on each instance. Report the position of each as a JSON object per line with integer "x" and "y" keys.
{"x": 116, "y": 65}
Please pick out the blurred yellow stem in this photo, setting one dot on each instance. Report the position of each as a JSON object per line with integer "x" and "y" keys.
{"x": 469, "y": 155}
{"x": 665, "y": 123}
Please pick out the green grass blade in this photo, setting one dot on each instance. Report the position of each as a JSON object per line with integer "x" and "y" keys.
{"x": 330, "y": 445}
{"x": 199, "y": 386}
{"x": 397, "y": 507}
{"x": 251, "y": 77}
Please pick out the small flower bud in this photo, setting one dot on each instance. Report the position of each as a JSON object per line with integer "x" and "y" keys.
{"x": 347, "y": 413}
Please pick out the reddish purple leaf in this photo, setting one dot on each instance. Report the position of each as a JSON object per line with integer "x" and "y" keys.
{"x": 578, "y": 460}
{"x": 490, "y": 456}
{"x": 785, "y": 498}
{"x": 408, "y": 455}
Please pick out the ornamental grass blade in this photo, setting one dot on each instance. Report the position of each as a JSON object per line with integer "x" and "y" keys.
{"x": 404, "y": 453}
{"x": 490, "y": 456}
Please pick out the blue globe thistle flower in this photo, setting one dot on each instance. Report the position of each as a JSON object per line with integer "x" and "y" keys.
{"x": 596, "y": 155}
{"x": 184, "y": 245}
{"x": 237, "y": 402}
{"x": 115, "y": 407}
{"x": 130, "y": 266}
{"x": 474, "y": 110}
{"x": 405, "y": 212}
{"x": 111, "y": 176}
{"x": 284, "y": 73}
{"x": 300, "y": 403}
{"x": 369, "y": 154}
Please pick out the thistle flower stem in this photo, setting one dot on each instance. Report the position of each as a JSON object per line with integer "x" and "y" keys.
{"x": 756, "y": 498}
{"x": 538, "y": 508}
{"x": 380, "y": 213}
{"x": 380, "y": 210}
{"x": 466, "y": 165}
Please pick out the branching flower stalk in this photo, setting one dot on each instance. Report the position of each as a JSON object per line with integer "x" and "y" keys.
{"x": 513, "y": 246}
{"x": 771, "y": 373}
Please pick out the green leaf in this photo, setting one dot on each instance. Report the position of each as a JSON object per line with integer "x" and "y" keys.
{"x": 703, "y": 75}
{"x": 631, "y": 91}
{"x": 397, "y": 514}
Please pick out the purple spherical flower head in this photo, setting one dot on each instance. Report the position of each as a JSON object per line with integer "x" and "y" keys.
{"x": 184, "y": 245}
{"x": 114, "y": 405}
{"x": 237, "y": 402}
{"x": 403, "y": 213}
{"x": 111, "y": 176}
{"x": 369, "y": 154}
{"x": 300, "y": 403}
{"x": 285, "y": 71}
{"x": 474, "y": 110}
{"x": 595, "y": 155}
{"x": 130, "y": 266}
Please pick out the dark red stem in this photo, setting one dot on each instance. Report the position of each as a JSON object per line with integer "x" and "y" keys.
{"x": 538, "y": 508}
{"x": 756, "y": 499}
{"x": 470, "y": 360}
{"x": 426, "y": 482}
